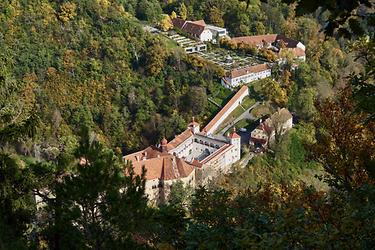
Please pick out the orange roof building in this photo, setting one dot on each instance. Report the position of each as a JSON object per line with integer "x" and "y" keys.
{"x": 191, "y": 157}
{"x": 196, "y": 29}
{"x": 275, "y": 42}
{"x": 279, "y": 122}
{"x": 246, "y": 75}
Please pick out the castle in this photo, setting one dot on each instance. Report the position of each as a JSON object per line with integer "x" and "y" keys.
{"x": 193, "y": 157}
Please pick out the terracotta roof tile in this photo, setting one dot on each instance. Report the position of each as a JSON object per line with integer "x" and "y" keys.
{"x": 255, "y": 40}
{"x": 199, "y": 22}
{"x": 247, "y": 70}
{"x": 149, "y": 152}
{"x": 234, "y": 135}
{"x": 165, "y": 167}
{"x": 193, "y": 28}
{"x": 270, "y": 38}
{"x": 178, "y": 22}
{"x": 179, "y": 139}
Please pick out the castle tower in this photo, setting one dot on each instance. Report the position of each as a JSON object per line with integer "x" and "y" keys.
{"x": 194, "y": 126}
{"x": 235, "y": 140}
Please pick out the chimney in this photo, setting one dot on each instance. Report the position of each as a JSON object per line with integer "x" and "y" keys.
{"x": 164, "y": 143}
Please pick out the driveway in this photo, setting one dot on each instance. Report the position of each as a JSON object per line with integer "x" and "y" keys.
{"x": 245, "y": 115}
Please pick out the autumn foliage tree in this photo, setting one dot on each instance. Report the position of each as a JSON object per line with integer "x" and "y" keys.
{"x": 345, "y": 145}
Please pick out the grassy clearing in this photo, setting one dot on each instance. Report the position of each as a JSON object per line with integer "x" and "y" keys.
{"x": 261, "y": 110}
{"x": 221, "y": 95}
{"x": 170, "y": 44}
{"x": 247, "y": 102}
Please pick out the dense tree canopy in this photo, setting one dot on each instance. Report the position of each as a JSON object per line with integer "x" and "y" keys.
{"x": 81, "y": 83}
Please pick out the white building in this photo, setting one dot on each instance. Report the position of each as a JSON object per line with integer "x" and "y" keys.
{"x": 196, "y": 29}
{"x": 279, "y": 122}
{"x": 246, "y": 75}
{"x": 217, "y": 32}
{"x": 191, "y": 157}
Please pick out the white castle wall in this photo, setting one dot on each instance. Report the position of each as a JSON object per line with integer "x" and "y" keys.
{"x": 226, "y": 114}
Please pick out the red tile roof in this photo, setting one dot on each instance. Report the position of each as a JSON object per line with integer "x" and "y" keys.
{"x": 234, "y": 135}
{"x": 159, "y": 165}
{"x": 248, "y": 70}
{"x": 255, "y": 40}
{"x": 179, "y": 139}
{"x": 178, "y": 22}
{"x": 193, "y": 28}
{"x": 193, "y": 124}
{"x": 147, "y": 153}
{"x": 270, "y": 38}
{"x": 199, "y": 22}
{"x": 231, "y": 102}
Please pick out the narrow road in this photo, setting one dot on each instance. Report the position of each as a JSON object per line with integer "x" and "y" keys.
{"x": 245, "y": 115}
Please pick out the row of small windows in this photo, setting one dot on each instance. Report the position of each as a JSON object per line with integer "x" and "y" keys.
{"x": 206, "y": 143}
{"x": 182, "y": 150}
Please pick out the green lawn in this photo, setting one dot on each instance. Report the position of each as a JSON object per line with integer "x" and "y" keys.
{"x": 261, "y": 110}
{"x": 247, "y": 102}
{"x": 243, "y": 123}
{"x": 171, "y": 44}
{"x": 221, "y": 95}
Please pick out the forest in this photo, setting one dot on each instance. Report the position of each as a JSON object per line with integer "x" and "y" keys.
{"x": 81, "y": 79}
